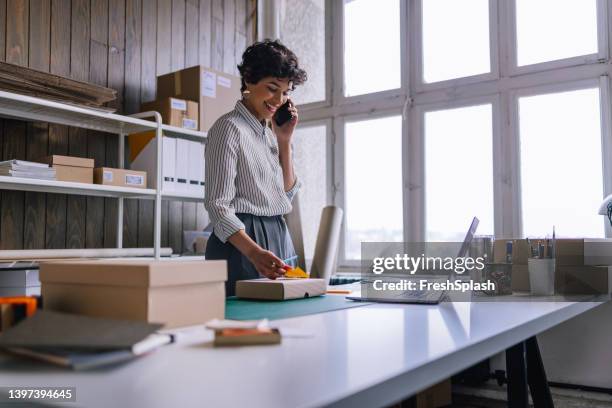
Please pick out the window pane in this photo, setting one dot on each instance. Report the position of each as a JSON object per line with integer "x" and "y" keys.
{"x": 373, "y": 176}
{"x": 371, "y": 46}
{"x": 455, "y": 39}
{"x": 561, "y": 167}
{"x": 458, "y": 172}
{"x": 309, "y": 145}
{"x": 303, "y": 31}
{"x": 548, "y": 30}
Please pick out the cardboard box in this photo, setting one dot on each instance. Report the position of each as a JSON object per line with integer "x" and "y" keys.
{"x": 583, "y": 280}
{"x": 143, "y": 157}
{"x": 439, "y": 395}
{"x": 216, "y": 92}
{"x": 175, "y": 112}
{"x": 280, "y": 289}
{"x": 569, "y": 251}
{"x": 68, "y": 168}
{"x": 520, "y": 278}
{"x": 120, "y": 177}
{"x": 175, "y": 293}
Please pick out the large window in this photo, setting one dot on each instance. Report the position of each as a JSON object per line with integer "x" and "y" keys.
{"x": 458, "y": 172}
{"x": 561, "y": 164}
{"x": 440, "y": 110}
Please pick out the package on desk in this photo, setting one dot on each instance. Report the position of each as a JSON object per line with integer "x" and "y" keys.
{"x": 583, "y": 280}
{"x": 69, "y": 168}
{"x": 280, "y": 289}
{"x": 216, "y": 92}
{"x": 175, "y": 293}
{"x": 120, "y": 177}
{"x": 175, "y": 112}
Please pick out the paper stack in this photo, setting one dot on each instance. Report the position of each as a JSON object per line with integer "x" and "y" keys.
{"x": 26, "y": 169}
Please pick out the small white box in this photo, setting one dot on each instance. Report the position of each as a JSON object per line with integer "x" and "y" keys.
{"x": 280, "y": 289}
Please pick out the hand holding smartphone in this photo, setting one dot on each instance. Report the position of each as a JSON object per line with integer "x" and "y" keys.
{"x": 283, "y": 115}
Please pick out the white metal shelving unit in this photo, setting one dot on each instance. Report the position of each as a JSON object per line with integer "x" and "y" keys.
{"x": 28, "y": 108}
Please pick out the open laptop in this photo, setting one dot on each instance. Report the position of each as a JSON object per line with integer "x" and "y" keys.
{"x": 421, "y": 296}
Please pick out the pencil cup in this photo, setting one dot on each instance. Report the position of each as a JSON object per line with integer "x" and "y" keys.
{"x": 541, "y": 276}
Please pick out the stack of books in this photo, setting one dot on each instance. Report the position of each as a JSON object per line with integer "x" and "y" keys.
{"x": 81, "y": 342}
{"x": 26, "y": 169}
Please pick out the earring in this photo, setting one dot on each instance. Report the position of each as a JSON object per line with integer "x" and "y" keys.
{"x": 246, "y": 93}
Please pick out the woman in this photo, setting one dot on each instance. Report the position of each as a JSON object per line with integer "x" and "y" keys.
{"x": 250, "y": 180}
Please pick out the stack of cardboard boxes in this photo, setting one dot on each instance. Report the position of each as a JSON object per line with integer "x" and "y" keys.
{"x": 192, "y": 98}
{"x": 581, "y": 265}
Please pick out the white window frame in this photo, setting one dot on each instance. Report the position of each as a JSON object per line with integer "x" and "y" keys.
{"x": 499, "y": 87}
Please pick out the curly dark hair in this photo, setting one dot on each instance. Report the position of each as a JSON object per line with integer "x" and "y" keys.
{"x": 269, "y": 58}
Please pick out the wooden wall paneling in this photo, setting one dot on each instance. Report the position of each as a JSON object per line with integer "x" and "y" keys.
{"x": 164, "y": 65}
{"x": 229, "y": 27}
{"x": 116, "y": 80}
{"x": 216, "y": 57}
{"x": 147, "y": 93}
{"x": 14, "y": 143}
{"x": 77, "y": 138}
{"x": 204, "y": 46}
{"x": 98, "y": 58}
{"x": 133, "y": 46}
{"x": 55, "y": 234}
{"x": 37, "y": 139}
{"x": 190, "y": 50}
{"x": 175, "y": 210}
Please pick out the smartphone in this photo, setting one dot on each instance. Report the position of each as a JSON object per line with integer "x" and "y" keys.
{"x": 283, "y": 115}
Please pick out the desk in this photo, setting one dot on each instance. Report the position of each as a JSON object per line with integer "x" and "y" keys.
{"x": 361, "y": 357}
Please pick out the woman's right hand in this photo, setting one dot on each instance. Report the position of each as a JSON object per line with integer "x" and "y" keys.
{"x": 266, "y": 263}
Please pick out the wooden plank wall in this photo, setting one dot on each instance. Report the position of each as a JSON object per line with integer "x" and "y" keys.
{"x": 122, "y": 44}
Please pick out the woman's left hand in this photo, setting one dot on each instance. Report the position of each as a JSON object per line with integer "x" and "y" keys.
{"x": 285, "y": 132}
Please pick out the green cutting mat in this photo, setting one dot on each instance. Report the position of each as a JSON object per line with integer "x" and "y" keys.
{"x": 242, "y": 309}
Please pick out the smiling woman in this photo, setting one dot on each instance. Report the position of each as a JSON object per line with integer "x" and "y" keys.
{"x": 250, "y": 181}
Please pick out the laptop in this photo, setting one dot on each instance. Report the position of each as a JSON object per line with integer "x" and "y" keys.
{"x": 431, "y": 297}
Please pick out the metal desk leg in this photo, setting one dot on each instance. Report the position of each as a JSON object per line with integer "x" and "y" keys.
{"x": 536, "y": 376}
{"x": 524, "y": 367}
{"x": 516, "y": 368}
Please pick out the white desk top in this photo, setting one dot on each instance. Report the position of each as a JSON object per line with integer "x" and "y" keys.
{"x": 365, "y": 356}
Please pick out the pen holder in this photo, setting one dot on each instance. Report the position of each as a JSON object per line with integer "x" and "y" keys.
{"x": 541, "y": 276}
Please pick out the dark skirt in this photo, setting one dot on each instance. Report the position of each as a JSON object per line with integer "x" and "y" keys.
{"x": 268, "y": 232}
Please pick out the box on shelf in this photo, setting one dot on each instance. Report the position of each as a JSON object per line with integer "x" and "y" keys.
{"x": 216, "y": 92}
{"x": 175, "y": 293}
{"x": 69, "y": 168}
{"x": 120, "y": 177}
{"x": 175, "y": 112}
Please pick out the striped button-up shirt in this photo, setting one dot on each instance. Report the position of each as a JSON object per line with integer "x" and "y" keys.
{"x": 243, "y": 172}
